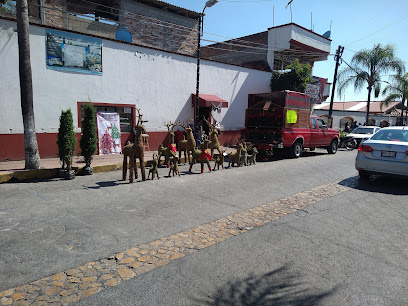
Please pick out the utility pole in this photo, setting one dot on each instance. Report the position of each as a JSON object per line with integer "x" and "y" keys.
{"x": 337, "y": 58}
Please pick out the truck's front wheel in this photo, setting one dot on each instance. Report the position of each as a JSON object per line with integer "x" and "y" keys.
{"x": 296, "y": 149}
{"x": 332, "y": 149}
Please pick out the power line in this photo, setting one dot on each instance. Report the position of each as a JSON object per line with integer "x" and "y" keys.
{"x": 381, "y": 29}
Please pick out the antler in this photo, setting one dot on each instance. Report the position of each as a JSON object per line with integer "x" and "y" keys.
{"x": 140, "y": 117}
{"x": 210, "y": 125}
{"x": 170, "y": 126}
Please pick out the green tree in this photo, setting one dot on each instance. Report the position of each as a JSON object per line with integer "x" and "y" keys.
{"x": 88, "y": 139}
{"x": 5, "y": 6}
{"x": 397, "y": 89}
{"x": 366, "y": 69}
{"x": 296, "y": 79}
{"x": 66, "y": 140}
{"x": 32, "y": 156}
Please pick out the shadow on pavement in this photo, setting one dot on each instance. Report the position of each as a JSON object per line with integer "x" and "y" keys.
{"x": 278, "y": 287}
{"x": 378, "y": 183}
{"x": 106, "y": 184}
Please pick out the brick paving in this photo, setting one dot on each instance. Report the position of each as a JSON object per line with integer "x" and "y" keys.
{"x": 90, "y": 278}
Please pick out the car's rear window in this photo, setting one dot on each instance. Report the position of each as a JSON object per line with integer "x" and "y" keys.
{"x": 391, "y": 135}
{"x": 363, "y": 131}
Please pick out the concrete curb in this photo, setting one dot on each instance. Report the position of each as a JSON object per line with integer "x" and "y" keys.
{"x": 24, "y": 175}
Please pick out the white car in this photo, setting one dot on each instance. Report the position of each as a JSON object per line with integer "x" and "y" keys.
{"x": 363, "y": 132}
{"x": 386, "y": 152}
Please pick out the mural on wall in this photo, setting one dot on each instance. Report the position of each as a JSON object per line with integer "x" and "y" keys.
{"x": 316, "y": 89}
{"x": 72, "y": 52}
{"x": 109, "y": 133}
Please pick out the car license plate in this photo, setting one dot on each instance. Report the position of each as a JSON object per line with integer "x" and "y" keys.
{"x": 387, "y": 154}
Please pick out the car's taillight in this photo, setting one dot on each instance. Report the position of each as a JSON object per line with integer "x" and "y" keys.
{"x": 364, "y": 148}
{"x": 406, "y": 152}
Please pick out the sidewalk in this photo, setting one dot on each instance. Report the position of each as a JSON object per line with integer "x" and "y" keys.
{"x": 14, "y": 170}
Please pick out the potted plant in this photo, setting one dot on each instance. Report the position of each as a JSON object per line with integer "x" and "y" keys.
{"x": 88, "y": 142}
{"x": 66, "y": 144}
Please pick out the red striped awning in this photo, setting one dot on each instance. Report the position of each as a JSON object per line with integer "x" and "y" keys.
{"x": 209, "y": 100}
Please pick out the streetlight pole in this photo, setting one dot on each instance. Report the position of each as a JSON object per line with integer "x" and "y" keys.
{"x": 209, "y": 3}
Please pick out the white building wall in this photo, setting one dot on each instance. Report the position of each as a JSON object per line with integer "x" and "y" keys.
{"x": 360, "y": 117}
{"x": 159, "y": 83}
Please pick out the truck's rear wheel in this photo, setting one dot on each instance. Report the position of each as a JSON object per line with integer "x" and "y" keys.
{"x": 296, "y": 149}
{"x": 332, "y": 149}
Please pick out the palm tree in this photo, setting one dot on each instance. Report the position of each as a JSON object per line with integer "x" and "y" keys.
{"x": 367, "y": 67}
{"x": 32, "y": 156}
{"x": 398, "y": 89}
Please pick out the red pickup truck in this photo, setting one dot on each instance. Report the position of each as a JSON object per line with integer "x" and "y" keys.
{"x": 281, "y": 120}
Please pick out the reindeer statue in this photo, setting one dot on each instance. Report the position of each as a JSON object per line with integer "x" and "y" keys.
{"x": 133, "y": 151}
{"x": 186, "y": 145}
{"x": 235, "y": 157}
{"x": 214, "y": 143}
{"x": 174, "y": 166}
{"x": 170, "y": 128}
{"x": 252, "y": 157}
{"x": 219, "y": 161}
{"x": 154, "y": 167}
{"x": 171, "y": 149}
{"x": 200, "y": 156}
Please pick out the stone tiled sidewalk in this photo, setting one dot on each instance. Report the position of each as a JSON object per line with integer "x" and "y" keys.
{"x": 90, "y": 278}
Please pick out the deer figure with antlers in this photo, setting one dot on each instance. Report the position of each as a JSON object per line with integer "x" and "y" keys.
{"x": 188, "y": 144}
{"x": 133, "y": 151}
{"x": 170, "y": 151}
{"x": 214, "y": 143}
{"x": 236, "y": 156}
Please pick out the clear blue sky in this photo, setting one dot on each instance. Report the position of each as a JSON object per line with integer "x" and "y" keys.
{"x": 356, "y": 25}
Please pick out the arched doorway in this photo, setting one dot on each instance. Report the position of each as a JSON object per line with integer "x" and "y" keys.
{"x": 371, "y": 122}
{"x": 343, "y": 121}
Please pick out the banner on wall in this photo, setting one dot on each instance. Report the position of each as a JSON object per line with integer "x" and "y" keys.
{"x": 316, "y": 89}
{"x": 109, "y": 133}
{"x": 73, "y": 52}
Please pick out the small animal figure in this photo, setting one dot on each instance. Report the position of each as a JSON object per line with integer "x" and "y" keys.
{"x": 174, "y": 166}
{"x": 252, "y": 157}
{"x": 167, "y": 153}
{"x": 219, "y": 161}
{"x": 200, "y": 157}
{"x": 154, "y": 167}
{"x": 235, "y": 157}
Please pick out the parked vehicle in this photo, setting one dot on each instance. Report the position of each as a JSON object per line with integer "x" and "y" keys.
{"x": 386, "y": 152}
{"x": 363, "y": 132}
{"x": 281, "y": 120}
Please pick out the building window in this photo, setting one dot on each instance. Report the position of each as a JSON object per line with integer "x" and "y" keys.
{"x": 126, "y": 114}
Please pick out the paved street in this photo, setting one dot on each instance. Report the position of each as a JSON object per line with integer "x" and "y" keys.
{"x": 294, "y": 231}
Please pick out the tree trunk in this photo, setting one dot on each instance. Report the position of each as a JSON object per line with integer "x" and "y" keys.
{"x": 32, "y": 156}
{"x": 368, "y": 104}
{"x": 402, "y": 110}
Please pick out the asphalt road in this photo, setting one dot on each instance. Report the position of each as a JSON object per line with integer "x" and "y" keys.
{"x": 351, "y": 248}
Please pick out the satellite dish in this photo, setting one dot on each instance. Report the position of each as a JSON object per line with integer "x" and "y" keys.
{"x": 124, "y": 35}
{"x": 327, "y": 34}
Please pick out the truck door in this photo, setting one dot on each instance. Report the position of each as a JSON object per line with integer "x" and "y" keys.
{"x": 324, "y": 136}
{"x": 314, "y": 133}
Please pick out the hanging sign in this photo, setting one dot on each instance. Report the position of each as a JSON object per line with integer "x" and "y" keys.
{"x": 109, "y": 133}
{"x": 291, "y": 116}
